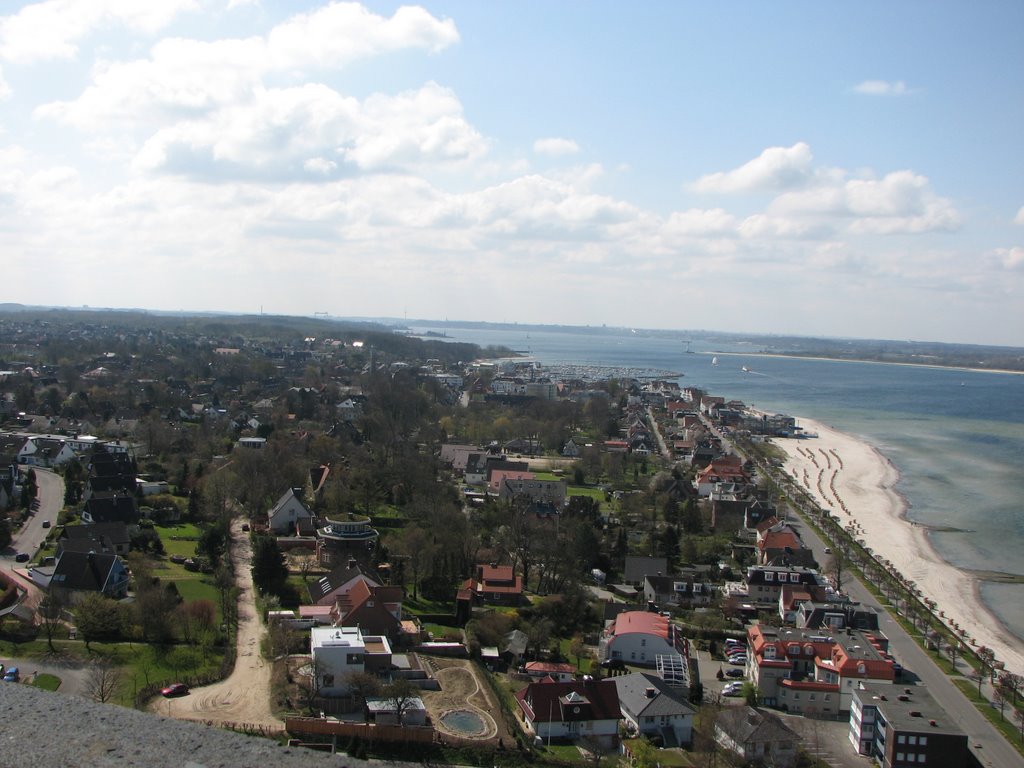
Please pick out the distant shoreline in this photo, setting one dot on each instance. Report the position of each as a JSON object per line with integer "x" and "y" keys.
{"x": 858, "y": 360}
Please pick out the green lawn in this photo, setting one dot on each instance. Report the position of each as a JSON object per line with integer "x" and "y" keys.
{"x": 582, "y": 490}
{"x": 179, "y": 539}
{"x": 140, "y": 664}
{"x": 46, "y": 682}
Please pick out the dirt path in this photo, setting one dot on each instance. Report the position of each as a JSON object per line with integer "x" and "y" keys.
{"x": 461, "y": 689}
{"x": 243, "y": 699}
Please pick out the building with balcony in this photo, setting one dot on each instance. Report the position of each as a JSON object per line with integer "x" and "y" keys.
{"x": 346, "y": 537}
{"x": 899, "y": 726}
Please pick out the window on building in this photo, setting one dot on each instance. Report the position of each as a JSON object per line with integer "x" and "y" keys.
{"x": 900, "y": 757}
{"x": 923, "y": 741}
{"x": 911, "y": 739}
{"x": 921, "y": 757}
{"x": 901, "y": 739}
{"x": 328, "y": 681}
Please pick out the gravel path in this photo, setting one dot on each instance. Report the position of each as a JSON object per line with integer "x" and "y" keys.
{"x": 243, "y": 699}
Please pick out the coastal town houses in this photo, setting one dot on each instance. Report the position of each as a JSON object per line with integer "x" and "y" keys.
{"x": 804, "y": 672}
{"x": 585, "y": 710}
{"x": 758, "y": 737}
{"x": 640, "y": 637}
{"x": 326, "y": 590}
{"x": 653, "y": 708}
{"x": 687, "y": 591}
{"x": 284, "y": 517}
{"x": 77, "y": 574}
{"x": 903, "y": 726}
{"x": 495, "y": 584}
{"x": 723, "y": 469}
{"x": 764, "y": 583}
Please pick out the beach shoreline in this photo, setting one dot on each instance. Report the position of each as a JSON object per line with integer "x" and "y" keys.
{"x": 856, "y": 482}
{"x": 934, "y": 366}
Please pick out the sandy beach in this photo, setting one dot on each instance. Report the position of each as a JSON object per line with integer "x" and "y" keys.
{"x": 853, "y": 481}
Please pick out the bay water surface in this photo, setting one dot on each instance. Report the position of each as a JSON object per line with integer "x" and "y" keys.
{"x": 956, "y": 436}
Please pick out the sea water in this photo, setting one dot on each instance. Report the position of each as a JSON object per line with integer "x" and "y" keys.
{"x": 956, "y": 436}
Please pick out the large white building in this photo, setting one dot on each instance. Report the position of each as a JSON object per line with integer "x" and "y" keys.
{"x": 639, "y": 637}
{"x": 339, "y": 652}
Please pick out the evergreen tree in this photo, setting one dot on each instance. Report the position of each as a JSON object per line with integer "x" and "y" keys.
{"x": 269, "y": 570}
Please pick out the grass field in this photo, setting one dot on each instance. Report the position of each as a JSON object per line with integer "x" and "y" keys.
{"x": 46, "y": 682}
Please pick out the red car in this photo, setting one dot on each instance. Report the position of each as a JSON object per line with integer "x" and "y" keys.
{"x": 176, "y": 689}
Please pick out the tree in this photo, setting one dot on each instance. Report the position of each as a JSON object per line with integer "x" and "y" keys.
{"x": 196, "y": 618}
{"x": 751, "y": 695}
{"x": 269, "y": 570}
{"x": 835, "y": 566}
{"x": 362, "y": 685}
{"x": 51, "y": 610}
{"x": 103, "y": 680}
{"x": 952, "y": 650}
{"x": 416, "y": 546}
{"x": 401, "y": 693}
{"x": 99, "y": 618}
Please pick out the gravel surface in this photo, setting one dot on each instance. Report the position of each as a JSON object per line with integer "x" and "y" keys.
{"x": 43, "y": 728}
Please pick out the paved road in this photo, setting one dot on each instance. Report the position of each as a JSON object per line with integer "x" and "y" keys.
{"x": 994, "y": 751}
{"x": 32, "y": 533}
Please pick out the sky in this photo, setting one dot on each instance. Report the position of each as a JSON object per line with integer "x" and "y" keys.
{"x": 826, "y": 169}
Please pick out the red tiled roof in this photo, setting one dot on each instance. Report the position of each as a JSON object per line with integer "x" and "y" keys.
{"x": 645, "y": 622}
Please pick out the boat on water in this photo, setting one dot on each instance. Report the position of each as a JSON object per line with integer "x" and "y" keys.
{"x": 745, "y": 369}
{"x": 714, "y": 361}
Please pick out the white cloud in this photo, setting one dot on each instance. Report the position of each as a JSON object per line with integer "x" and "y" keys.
{"x": 775, "y": 168}
{"x": 5, "y": 89}
{"x": 555, "y": 147}
{"x": 282, "y": 129}
{"x": 1010, "y": 258}
{"x": 902, "y": 202}
{"x": 882, "y": 88}
{"x": 320, "y": 165}
{"x": 52, "y": 29}
{"x": 700, "y": 222}
{"x": 1019, "y": 218}
{"x": 339, "y": 33}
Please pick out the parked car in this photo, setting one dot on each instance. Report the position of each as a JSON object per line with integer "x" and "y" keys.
{"x": 23, "y": 557}
{"x": 733, "y": 689}
{"x": 739, "y": 660}
{"x": 613, "y": 664}
{"x": 734, "y": 673}
{"x": 46, "y": 523}
{"x": 175, "y": 689}
{"x": 12, "y": 675}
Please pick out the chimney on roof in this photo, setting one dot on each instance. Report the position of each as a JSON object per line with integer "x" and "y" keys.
{"x": 650, "y": 692}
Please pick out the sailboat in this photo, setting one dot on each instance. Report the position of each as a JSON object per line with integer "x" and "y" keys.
{"x": 714, "y": 361}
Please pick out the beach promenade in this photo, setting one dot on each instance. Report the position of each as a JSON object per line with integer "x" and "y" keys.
{"x": 852, "y": 480}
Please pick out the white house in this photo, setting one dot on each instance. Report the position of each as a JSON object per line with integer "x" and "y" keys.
{"x": 339, "y": 652}
{"x": 288, "y": 510}
{"x": 653, "y": 708}
{"x": 639, "y": 637}
{"x": 586, "y": 710}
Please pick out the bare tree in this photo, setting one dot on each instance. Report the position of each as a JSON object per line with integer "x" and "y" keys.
{"x": 596, "y": 749}
{"x": 102, "y": 681}
{"x": 311, "y": 691}
{"x": 401, "y": 693}
{"x": 51, "y": 610}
